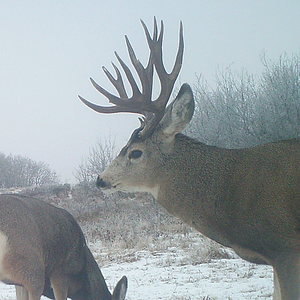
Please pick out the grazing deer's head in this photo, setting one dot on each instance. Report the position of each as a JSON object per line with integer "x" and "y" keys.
{"x": 247, "y": 199}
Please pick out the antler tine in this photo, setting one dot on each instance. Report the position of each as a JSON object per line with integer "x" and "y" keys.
{"x": 112, "y": 98}
{"x": 145, "y": 74}
{"x": 118, "y": 82}
{"x": 167, "y": 80}
{"x": 140, "y": 102}
{"x": 179, "y": 56}
{"x": 135, "y": 90}
{"x": 119, "y": 102}
{"x": 106, "y": 109}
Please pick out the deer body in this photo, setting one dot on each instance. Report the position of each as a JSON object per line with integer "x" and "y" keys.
{"x": 42, "y": 246}
{"x": 226, "y": 194}
{"x": 234, "y": 197}
{"x": 247, "y": 199}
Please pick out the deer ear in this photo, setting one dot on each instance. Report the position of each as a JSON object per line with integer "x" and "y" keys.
{"x": 179, "y": 113}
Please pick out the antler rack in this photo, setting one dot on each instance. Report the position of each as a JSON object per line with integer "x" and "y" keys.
{"x": 140, "y": 102}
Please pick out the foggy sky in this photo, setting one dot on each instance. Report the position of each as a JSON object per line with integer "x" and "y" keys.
{"x": 49, "y": 49}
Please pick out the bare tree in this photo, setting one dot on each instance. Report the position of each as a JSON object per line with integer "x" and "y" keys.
{"x": 278, "y": 112}
{"x": 98, "y": 159}
{"x": 225, "y": 113}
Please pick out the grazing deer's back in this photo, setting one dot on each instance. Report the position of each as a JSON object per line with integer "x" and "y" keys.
{"x": 51, "y": 228}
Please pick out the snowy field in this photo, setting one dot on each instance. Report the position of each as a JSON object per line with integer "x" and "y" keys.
{"x": 154, "y": 276}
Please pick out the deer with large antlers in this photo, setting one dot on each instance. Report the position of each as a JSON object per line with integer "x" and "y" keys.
{"x": 43, "y": 252}
{"x": 247, "y": 199}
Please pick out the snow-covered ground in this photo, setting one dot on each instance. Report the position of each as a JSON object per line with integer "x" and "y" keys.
{"x": 164, "y": 276}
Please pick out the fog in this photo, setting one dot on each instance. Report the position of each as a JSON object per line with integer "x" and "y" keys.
{"x": 49, "y": 49}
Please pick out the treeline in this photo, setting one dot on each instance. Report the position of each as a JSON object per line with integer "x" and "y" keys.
{"x": 243, "y": 110}
{"x": 19, "y": 171}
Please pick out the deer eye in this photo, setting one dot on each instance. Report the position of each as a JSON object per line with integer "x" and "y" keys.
{"x": 135, "y": 154}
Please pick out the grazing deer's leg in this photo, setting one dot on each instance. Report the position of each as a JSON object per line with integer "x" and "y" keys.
{"x": 288, "y": 275}
{"x": 277, "y": 294}
{"x": 35, "y": 296}
{"x": 35, "y": 291}
{"x": 60, "y": 285}
{"x": 29, "y": 272}
{"x": 21, "y": 293}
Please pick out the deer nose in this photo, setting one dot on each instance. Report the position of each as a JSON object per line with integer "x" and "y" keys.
{"x": 100, "y": 183}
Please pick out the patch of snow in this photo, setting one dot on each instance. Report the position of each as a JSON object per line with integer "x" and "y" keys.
{"x": 152, "y": 278}
{"x": 162, "y": 276}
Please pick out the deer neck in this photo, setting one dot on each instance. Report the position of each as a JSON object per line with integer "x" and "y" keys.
{"x": 96, "y": 285}
{"x": 194, "y": 184}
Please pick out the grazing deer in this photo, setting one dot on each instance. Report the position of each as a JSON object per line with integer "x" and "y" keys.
{"x": 43, "y": 252}
{"x": 246, "y": 199}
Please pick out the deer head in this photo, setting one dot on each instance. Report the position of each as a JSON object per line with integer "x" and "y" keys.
{"x": 159, "y": 124}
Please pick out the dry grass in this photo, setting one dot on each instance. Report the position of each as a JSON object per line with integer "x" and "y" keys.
{"x": 122, "y": 225}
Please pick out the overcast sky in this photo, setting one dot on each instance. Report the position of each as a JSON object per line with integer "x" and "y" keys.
{"x": 49, "y": 49}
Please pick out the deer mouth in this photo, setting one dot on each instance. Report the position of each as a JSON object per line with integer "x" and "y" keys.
{"x": 105, "y": 186}
{"x": 109, "y": 189}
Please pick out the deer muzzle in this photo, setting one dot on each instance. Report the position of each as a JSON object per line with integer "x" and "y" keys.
{"x": 101, "y": 184}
